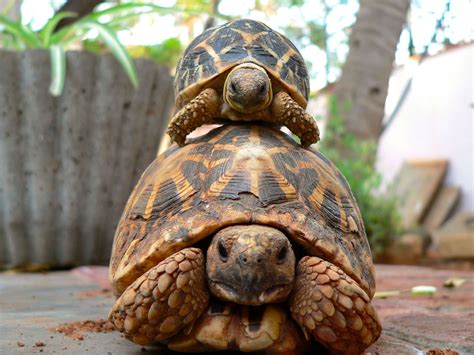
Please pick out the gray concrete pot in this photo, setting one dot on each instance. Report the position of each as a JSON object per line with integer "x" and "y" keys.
{"x": 68, "y": 164}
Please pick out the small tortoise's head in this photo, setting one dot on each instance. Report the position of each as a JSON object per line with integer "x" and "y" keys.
{"x": 250, "y": 265}
{"x": 248, "y": 88}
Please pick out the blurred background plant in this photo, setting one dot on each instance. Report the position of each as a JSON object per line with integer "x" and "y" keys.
{"x": 320, "y": 29}
{"x": 350, "y": 47}
{"x": 96, "y": 30}
{"x": 356, "y": 162}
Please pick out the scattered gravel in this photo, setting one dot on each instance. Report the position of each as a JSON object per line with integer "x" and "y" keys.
{"x": 74, "y": 330}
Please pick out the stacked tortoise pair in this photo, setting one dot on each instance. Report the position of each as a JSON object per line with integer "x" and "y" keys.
{"x": 241, "y": 239}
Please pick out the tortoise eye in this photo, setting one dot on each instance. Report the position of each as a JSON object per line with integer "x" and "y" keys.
{"x": 222, "y": 251}
{"x": 282, "y": 253}
{"x": 262, "y": 88}
{"x": 233, "y": 88}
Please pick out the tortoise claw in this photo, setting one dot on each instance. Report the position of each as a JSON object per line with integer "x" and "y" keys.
{"x": 288, "y": 113}
{"x": 331, "y": 307}
{"x": 165, "y": 300}
{"x": 203, "y": 109}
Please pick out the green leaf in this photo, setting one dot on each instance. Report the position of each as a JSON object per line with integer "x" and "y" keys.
{"x": 125, "y": 11}
{"x": 58, "y": 70}
{"x": 142, "y": 8}
{"x": 22, "y": 33}
{"x": 117, "y": 49}
{"x": 9, "y": 41}
{"x": 66, "y": 35}
{"x": 423, "y": 290}
{"x": 48, "y": 29}
{"x": 167, "y": 52}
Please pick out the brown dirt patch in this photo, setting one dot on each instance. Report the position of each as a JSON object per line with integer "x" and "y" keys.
{"x": 438, "y": 351}
{"x": 75, "y": 330}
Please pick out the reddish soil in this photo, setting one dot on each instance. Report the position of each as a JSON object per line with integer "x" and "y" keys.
{"x": 104, "y": 292}
{"x": 74, "y": 330}
{"x": 438, "y": 351}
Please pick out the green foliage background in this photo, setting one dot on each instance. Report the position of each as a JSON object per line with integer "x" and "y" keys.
{"x": 356, "y": 160}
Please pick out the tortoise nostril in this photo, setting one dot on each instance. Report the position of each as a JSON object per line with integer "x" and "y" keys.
{"x": 262, "y": 88}
{"x": 259, "y": 260}
{"x": 244, "y": 260}
{"x": 233, "y": 87}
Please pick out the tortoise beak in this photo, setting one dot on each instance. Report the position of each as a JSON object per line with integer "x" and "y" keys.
{"x": 246, "y": 293}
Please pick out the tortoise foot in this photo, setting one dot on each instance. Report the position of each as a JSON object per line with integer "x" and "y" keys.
{"x": 166, "y": 299}
{"x": 331, "y": 307}
{"x": 203, "y": 109}
{"x": 288, "y": 113}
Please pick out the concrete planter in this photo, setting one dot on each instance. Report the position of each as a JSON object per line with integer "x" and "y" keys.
{"x": 68, "y": 164}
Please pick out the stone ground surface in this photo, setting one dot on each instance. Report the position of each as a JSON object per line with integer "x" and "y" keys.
{"x": 33, "y": 305}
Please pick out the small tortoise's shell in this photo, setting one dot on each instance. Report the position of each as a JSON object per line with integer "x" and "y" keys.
{"x": 219, "y": 49}
{"x": 240, "y": 174}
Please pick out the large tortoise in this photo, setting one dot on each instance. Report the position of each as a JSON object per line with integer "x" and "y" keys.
{"x": 243, "y": 240}
{"x": 242, "y": 71}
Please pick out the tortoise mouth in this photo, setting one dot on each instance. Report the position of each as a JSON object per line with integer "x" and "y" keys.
{"x": 273, "y": 294}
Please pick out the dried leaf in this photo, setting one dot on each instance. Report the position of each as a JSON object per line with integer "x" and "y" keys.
{"x": 454, "y": 282}
{"x": 386, "y": 294}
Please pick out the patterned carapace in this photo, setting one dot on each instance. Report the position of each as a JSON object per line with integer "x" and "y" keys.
{"x": 240, "y": 174}
{"x": 219, "y": 49}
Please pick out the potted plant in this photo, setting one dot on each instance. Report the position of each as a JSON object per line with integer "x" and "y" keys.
{"x": 76, "y": 131}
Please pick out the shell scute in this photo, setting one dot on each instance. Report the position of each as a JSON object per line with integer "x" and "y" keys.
{"x": 331, "y": 209}
{"x": 278, "y": 45}
{"x": 228, "y": 186}
{"x": 224, "y": 39}
{"x": 271, "y": 188}
{"x": 192, "y": 171}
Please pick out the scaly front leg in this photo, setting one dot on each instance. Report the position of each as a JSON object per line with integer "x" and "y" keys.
{"x": 166, "y": 299}
{"x": 330, "y": 306}
{"x": 287, "y": 112}
{"x": 203, "y": 109}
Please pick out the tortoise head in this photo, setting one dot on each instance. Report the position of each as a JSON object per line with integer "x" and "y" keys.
{"x": 248, "y": 88}
{"x": 250, "y": 265}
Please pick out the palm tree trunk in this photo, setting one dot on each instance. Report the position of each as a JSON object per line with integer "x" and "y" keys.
{"x": 362, "y": 88}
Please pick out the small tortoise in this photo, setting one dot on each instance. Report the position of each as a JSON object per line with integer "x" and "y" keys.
{"x": 242, "y": 240}
{"x": 242, "y": 71}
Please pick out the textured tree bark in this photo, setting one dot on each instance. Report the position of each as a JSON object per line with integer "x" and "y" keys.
{"x": 362, "y": 88}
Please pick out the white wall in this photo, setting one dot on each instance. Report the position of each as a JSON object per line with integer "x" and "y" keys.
{"x": 436, "y": 120}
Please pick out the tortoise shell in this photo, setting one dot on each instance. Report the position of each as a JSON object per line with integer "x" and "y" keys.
{"x": 240, "y": 174}
{"x": 219, "y": 49}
